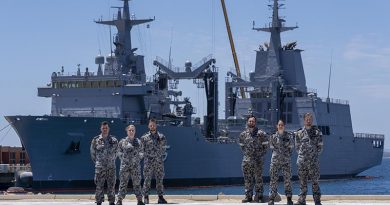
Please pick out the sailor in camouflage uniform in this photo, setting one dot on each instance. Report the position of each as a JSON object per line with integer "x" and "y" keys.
{"x": 104, "y": 149}
{"x": 154, "y": 148}
{"x": 130, "y": 154}
{"x": 282, "y": 144}
{"x": 309, "y": 145}
{"x": 254, "y": 144}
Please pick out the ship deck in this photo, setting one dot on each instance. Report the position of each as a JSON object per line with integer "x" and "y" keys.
{"x": 63, "y": 199}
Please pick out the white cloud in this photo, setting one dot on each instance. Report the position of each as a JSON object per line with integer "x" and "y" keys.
{"x": 371, "y": 50}
{"x": 375, "y": 91}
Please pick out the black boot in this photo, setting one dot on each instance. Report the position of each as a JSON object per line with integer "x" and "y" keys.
{"x": 119, "y": 202}
{"x": 98, "y": 203}
{"x": 258, "y": 198}
{"x": 300, "y": 203}
{"x": 317, "y": 203}
{"x": 289, "y": 201}
{"x": 111, "y": 203}
{"x": 247, "y": 199}
{"x": 139, "y": 202}
{"x": 146, "y": 199}
{"x": 161, "y": 200}
{"x": 271, "y": 202}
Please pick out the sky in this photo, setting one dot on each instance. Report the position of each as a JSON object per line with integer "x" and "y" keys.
{"x": 38, "y": 37}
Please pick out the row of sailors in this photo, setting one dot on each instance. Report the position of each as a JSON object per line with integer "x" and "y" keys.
{"x": 105, "y": 148}
{"x": 253, "y": 142}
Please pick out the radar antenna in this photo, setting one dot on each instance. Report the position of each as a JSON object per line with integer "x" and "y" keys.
{"x": 330, "y": 75}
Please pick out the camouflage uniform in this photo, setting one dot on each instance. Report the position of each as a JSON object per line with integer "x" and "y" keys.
{"x": 130, "y": 153}
{"x": 282, "y": 146}
{"x": 154, "y": 149}
{"x": 309, "y": 145}
{"x": 254, "y": 147}
{"x": 103, "y": 154}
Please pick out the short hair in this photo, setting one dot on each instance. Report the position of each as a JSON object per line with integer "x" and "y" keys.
{"x": 128, "y": 127}
{"x": 281, "y": 121}
{"x": 307, "y": 115}
{"x": 251, "y": 116}
{"x": 153, "y": 120}
{"x": 104, "y": 123}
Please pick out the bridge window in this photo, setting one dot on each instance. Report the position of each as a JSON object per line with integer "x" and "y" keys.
{"x": 117, "y": 83}
{"x": 95, "y": 84}
{"x": 102, "y": 84}
{"x": 110, "y": 83}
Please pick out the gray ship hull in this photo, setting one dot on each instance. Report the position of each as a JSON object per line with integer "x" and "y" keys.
{"x": 57, "y": 161}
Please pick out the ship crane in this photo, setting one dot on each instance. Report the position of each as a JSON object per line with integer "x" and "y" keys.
{"x": 232, "y": 45}
{"x": 204, "y": 70}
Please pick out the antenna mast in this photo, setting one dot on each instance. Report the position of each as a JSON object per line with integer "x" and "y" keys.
{"x": 330, "y": 75}
{"x": 330, "y": 72}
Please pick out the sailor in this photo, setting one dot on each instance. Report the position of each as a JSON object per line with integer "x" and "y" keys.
{"x": 253, "y": 143}
{"x": 153, "y": 148}
{"x": 130, "y": 154}
{"x": 309, "y": 145}
{"x": 282, "y": 144}
{"x": 103, "y": 150}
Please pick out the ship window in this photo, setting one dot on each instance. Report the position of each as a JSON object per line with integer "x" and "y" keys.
{"x": 110, "y": 83}
{"x": 95, "y": 84}
{"x": 117, "y": 83}
{"x": 102, "y": 84}
{"x": 87, "y": 84}
{"x": 55, "y": 85}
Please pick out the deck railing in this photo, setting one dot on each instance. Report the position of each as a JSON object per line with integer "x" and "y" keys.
{"x": 369, "y": 136}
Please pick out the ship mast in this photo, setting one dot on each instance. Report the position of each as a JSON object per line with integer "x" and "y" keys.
{"x": 276, "y": 27}
{"x": 122, "y": 40}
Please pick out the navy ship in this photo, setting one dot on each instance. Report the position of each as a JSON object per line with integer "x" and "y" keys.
{"x": 199, "y": 151}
